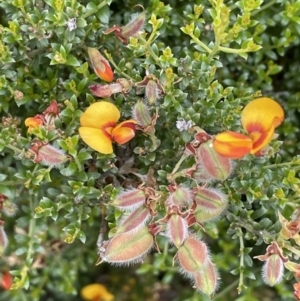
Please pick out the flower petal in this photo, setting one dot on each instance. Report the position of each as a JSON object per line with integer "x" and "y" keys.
{"x": 232, "y": 145}
{"x": 101, "y": 65}
{"x": 96, "y": 291}
{"x": 34, "y": 122}
{"x": 261, "y": 115}
{"x": 260, "y": 118}
{"x": 100, "y": 114}
{"x": 261, "y": 139}
{"x": 96, "y": 139}
{"x": 124, "y": 131}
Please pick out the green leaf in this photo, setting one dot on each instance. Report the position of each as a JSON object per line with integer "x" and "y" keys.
{"x": 82, "y": 84}
{"x": 83, "y": 156}
{"x": 69, "y": 170}
{"x": 81, "y": 236}
{"x": 72, "y": 61}
{"x": 2, "y": 177}
{"x": 103, "y": 14}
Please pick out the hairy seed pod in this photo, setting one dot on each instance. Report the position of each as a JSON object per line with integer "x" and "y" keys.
{"x": 129, "y": 247}
{"x": 217, "y": 166}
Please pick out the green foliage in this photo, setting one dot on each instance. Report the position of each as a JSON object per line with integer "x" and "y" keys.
{"x": 208, "y": 59}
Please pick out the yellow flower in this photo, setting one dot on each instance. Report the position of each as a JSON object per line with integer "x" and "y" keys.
{"x": 259, "y": 119}
{"x": 99, "y": 129}
{"x": 96, "y": 292}
{"x": 34, "y": 122}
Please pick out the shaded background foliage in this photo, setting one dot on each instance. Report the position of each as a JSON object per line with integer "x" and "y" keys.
{"x": 210, "y": 93}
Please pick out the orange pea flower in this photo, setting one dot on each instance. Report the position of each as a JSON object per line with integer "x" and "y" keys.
{"x": 101, "y": 65}
{"x": 259, "y": 119}
{"x": 99, "y": 129}
{"x": 96, "y": 292}
{"x": 34, "y": 122}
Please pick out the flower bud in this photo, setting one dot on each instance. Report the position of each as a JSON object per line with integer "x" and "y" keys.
{"x": 6, "y": 280}
{"x": 129, "y": 200}
{"x": 135, "y": 220}
{"x": 192, "y": 255}
{"x": 18, "y": 95}
{"x": 128, "y": 247}
{"x": 177, "y": 229}
{"x": 47, "y": 154}
{"x": 206, "y": 280}
{"x": 101, "y": 65}
{"x": 215, "y": 165}
{"x": 272, "y": 272}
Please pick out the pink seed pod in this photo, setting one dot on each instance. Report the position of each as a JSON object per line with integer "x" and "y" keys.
{"x": 272, "y": 271}
{"x": 177, "y": 229}
{"x": 210, "y": 204}
{"x": 152, "y": 91}
{"x": 129, "y": 247}
{"x": 47, "y": 154}
{"x": 181, "y": 197}
{"x": 137, "y": 219}
{"x": 141, "y": 114}
{"x": 207, "y": 280}
{"x": 192, "y": 255}
{"x": 200, "y": 174}
{"x": 129, "y": 200}
{"x": 215, "y": 165}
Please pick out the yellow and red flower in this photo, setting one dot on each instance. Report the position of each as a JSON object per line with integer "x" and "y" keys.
{"x": 34, "y": 122}
{"x": 96, "y": 292}
{"x": 99, "y": 127}
{"x": 47, "y": 118}
{"x": 259, "y": 119}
